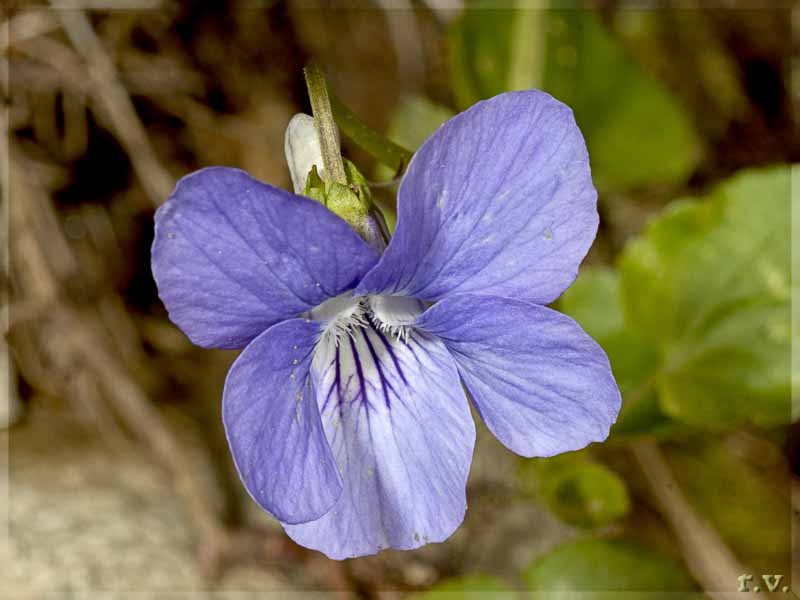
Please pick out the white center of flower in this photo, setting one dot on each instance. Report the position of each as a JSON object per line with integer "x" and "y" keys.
{"x": 345, "y": 315}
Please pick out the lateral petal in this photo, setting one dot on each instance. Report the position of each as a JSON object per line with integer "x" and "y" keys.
{"x": 233, "y": 256}
{"x": 540, "y": 383}
{"x": 273, "y": 425}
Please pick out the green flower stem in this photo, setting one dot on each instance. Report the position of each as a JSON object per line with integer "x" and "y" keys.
{"x": 325, "y": 124}
{"x": 379, "y": 147}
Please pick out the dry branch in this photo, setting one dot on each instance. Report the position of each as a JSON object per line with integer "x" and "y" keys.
{"x": 113, "y": 98}
{"x": 82, "y": 343}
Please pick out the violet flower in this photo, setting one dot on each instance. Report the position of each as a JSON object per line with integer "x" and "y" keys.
{"x": 345, "y": 412}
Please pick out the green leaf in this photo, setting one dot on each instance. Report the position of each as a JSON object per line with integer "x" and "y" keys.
{"x": 479, "y": 51}
{"x": 757, "y": 525}
{"x": 708, "y": 286}
{"x": 414, "y": 119}
{"x": 469, "y": 587}
{"x": 593, "y": 301}
{"x": 636, "y": 130}
{"x": 601, "y": 569}
{"x": 577, "y": 489}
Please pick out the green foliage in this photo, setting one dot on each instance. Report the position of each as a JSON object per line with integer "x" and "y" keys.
{"x": 351, "y": 202}
{"x": 414, "y": 119}
{"x": 757, "y": 525}
{"x": 697, "y": 323}
{"x": 480, "y": 51}
{"x": 469, "y": 587}
{"x": 636, "y": 131}
{"x": 707, "y": 285}
{"x": 601, "y": 569}
{"x": 577, "y": 489}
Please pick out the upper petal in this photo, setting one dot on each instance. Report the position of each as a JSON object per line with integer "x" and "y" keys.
{"x": 232, "y": 256}
{"x": 540, "y": 383}
{"x": 498, "y": 200}
{"x": 273, "y": 425}
{"x": 402, "y": 434}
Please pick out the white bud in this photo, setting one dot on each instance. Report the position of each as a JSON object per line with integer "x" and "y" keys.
{"x": 303, "y": 150}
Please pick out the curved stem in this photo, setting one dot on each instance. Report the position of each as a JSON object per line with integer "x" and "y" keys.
{"x": 711, "y": 562}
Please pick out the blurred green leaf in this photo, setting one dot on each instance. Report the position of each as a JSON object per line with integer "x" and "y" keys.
{"x": 603, "y": 568}
{"x": 414, "y": 119}
{"x": 757, "y": 525}
{"x": 587, "y": 495}
{"x": 593, "y": 301}
{"x": 636, "y": 130}
{"x": 479, "y": 51}
{"x": 577, "y": 489}
{"x": 469, "y": 587}
{"x": 708, "y": 286}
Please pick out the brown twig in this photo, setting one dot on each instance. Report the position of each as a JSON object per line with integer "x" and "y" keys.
{"x": 114, "y": 100}
{"x": 711, "y": 562}
{"x": 26, "y": 25}
{"x": 795, "y": 533}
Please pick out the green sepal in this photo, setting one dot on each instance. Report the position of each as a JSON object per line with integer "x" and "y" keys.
{"x": 348, "y": 204}
{"x": 315, "y": 186}
{"x": 351, "y": 202}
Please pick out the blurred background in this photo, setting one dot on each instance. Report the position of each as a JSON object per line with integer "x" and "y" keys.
{"x": 120, "y": 477}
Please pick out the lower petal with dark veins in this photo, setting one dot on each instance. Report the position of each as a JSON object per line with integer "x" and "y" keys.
{"x": 402, "y": 436}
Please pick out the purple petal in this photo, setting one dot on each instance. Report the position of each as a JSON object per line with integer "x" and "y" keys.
{"x": 499, "y": 200}
{"x": 273, "y": 425}
{"x": 232, "y": 256}
{"x": 539, "y": 382}
{"x": 401, "y": 430}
